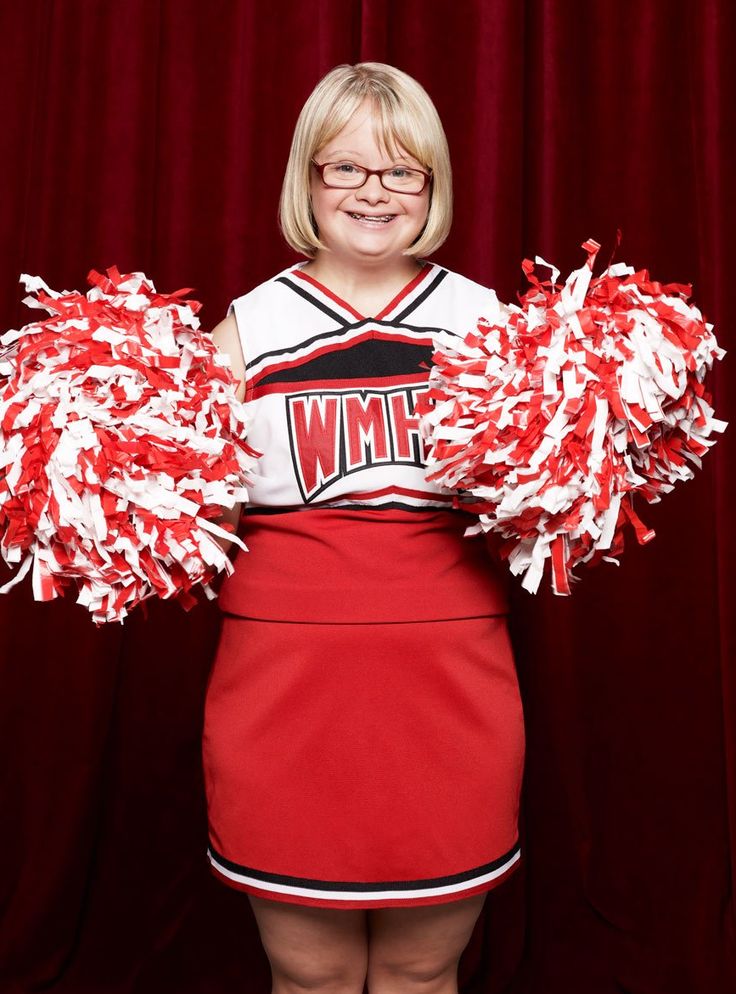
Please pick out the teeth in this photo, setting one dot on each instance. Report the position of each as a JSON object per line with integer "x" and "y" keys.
{"x": 367, "y": 217}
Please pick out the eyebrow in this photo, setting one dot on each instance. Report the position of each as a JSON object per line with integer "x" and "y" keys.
{"x": 347, "y": 151}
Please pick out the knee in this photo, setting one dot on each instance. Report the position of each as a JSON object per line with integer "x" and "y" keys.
{"x": 333, "y": 981}
{"x": 313, "y": 950}
{"x": 318, "y": 976}
{"x": 412, "y": 976}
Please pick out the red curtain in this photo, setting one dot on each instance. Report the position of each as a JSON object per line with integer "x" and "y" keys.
{"x": 153, "y": 136}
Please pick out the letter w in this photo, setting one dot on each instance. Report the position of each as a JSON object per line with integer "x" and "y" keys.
{"x": 315, "y": 440}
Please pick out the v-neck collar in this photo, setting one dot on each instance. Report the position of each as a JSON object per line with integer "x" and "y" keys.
{"x": 385, "y": 311}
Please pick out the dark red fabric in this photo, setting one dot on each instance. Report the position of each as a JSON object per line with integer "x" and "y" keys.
{"x": 153, "y": 136}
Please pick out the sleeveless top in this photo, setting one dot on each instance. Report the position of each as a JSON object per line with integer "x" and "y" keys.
{"x": 341, "y": 523}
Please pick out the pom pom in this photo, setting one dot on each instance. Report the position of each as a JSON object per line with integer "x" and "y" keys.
{"x": 120, "y": 439}
{"x": 549, "y": 417}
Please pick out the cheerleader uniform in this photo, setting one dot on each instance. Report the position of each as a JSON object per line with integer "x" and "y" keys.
{"x": 363, "y": 733}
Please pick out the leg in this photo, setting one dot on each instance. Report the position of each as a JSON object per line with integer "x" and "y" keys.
{"x": 417, "y": 950}
{"x": 313, "y": 949}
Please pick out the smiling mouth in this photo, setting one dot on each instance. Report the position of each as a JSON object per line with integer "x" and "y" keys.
{"x": 371, "y": 220}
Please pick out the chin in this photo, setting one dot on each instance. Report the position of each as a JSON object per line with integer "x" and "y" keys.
{"x": 377, "y": 245}
{"x": 377, "y": 253}
{"x": 361, "y": 247}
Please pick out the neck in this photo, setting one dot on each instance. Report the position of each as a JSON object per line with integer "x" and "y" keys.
{"x": 374, "y": 274}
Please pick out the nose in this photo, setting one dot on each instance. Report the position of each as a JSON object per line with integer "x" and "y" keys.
{"x": 373, "y": 190}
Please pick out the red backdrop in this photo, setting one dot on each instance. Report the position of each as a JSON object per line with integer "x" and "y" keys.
{"x": 153, "y": 136}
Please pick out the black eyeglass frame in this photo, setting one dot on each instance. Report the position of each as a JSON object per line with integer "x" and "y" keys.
{"x": 320, "y": 167}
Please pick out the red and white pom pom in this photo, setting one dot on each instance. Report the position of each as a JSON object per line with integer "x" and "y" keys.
{"x": 120, "y": 439}
{"x": 552, "y": 415}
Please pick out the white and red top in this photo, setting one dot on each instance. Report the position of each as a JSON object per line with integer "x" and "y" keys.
{"x": 331, "y": 394}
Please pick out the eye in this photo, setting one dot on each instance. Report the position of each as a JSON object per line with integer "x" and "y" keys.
{"x": 346, "y": 167}
{"x": 399, "y": 172}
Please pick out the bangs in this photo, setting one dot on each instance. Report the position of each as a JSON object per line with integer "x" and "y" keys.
{"x": 394, "y": 128}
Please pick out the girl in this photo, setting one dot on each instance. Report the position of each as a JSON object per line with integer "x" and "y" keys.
{"x": 363, "y": 742}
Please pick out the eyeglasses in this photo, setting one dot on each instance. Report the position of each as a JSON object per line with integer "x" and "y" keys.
{"x": 349, "y": 176}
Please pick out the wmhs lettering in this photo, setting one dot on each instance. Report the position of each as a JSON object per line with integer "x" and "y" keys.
{"x": 336, "y": 433}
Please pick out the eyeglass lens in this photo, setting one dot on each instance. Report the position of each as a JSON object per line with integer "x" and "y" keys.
{"x": 399, "y": 178}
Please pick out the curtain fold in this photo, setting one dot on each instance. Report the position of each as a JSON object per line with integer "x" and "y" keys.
{"x": 153, "y": 137}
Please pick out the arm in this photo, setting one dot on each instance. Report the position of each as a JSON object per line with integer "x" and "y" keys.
{"x": 226, "y": 339}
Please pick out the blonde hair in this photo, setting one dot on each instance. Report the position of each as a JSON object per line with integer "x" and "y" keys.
{"x": 406, "y": 117}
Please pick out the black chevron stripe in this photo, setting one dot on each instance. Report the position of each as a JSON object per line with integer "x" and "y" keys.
{"x": 422, "y": 296}
{"x": 376, "y": 357}
{"x": 303, "y": 292}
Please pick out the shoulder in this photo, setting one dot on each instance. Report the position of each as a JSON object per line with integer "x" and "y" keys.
{"x": 464, "y": 284}
{"x": 244, "y": 312}
{"x": 263, "y": 294}
{"x": 466, "y": 296}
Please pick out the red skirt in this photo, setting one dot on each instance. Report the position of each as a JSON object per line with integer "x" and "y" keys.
{"x": 363, "y": 765}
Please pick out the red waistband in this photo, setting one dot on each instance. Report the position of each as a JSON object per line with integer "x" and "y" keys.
{"x": 347, "y": 565}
